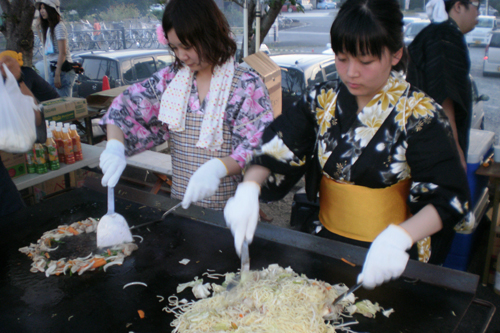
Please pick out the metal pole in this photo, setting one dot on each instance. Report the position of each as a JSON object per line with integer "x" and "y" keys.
{"x": 257, "y": 26}
{"x": 245, "y": 30}
{"x": 487, "y": 7}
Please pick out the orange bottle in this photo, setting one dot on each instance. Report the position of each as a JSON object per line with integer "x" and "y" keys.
{"x": 69, "y": 156}
{"x": 77, "y": 144}
{"x": 60, "y": 147}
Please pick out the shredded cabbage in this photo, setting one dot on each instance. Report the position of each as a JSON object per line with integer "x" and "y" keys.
{"x": 274, "y": 299}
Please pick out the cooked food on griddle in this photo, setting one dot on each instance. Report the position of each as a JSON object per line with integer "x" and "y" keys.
{"x": 274, "y": 299}
{"x": 72, "y": 249}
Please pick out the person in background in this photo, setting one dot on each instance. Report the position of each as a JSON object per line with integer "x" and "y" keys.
{"x": 10, "y": 198}
{"x": 440, "y": 65}
{"x": 214, "y": 110}
{"x": 97, "y": 28}
{"x": 379, "y": 152}
{"x": 40, "y": 88}
{"x": 96, "y": 34}
{"x": 55, "y": 39}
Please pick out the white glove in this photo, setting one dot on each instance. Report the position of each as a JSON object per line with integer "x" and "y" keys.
{"x": 204, "y": 182}
{"x": 242, "y": 213}
{"x": 386, "y": 258}
{"x": 112, "y": 163}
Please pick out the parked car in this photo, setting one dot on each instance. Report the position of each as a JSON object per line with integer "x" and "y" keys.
{"x": 288, "y": 7}
{"x": 409, "y": 19}
{"x": 306, "y": 4}
{"x": 156, "y": 6}
{"x": 413, "y": 29}
{"x": 326, "y": 4}
{"x": 301, "y": 71}
{"x": 482, "y": 32}
{"x": 477, "y": 121}
{"x": 121, "y": 67}
{"x": 491, "y": 62}
{"x": 491, "y": 11}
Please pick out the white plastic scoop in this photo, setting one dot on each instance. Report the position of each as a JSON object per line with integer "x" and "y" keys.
{"x": 112, "y": 229}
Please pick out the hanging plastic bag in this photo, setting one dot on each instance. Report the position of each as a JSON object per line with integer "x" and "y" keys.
{"x": 17, "y": 119}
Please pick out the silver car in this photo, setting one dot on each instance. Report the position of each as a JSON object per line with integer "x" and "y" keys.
{"x": 477, "y": 120}
{"x": 491, "y": 62}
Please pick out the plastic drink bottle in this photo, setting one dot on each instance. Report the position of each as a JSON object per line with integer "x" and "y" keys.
{"x": 77, "y": 144}
{"x": 41, "y": 166}
{"x": 52, "y": 152}
{"x": 30, "y": 161}
{"x": 60, "y": 146}
{"x": 69, "y": 156}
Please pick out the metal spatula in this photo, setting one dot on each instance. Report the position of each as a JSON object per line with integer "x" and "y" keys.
{"x": 245, "y": 266}
{"x": 347, "y": 293}
{"x": 112, "y": 229}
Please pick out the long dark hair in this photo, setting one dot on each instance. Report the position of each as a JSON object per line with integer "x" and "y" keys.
{"x": 367, "y": 27}
{"x": 53, "y": 18}
{"x": 201, "y": 24}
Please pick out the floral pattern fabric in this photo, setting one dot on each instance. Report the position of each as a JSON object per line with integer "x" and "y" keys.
{"x": 401, "y": 133}
{"x": 136, "y": 110}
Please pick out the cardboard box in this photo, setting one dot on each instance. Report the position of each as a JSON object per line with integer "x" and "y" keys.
{"x": 14, "y": 163}
{"x": 52, "y": 186}
{"x": 65, "y": 108}
{"x": 103, "y": 99}
{"x": 270, "y": 73}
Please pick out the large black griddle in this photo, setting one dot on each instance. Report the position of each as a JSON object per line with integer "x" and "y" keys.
{"x": 97, "y": 302}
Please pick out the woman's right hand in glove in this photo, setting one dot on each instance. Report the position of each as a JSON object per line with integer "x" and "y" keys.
{"x": 242, "y": 213}
{"x": 112, "y": 162}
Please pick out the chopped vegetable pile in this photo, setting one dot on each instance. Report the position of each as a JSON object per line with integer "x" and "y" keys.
{"x": 42, "y": 261}
{"x": 274, "y": 299}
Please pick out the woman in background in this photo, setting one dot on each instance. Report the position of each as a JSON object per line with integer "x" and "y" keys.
{"x": 55, "y": 40}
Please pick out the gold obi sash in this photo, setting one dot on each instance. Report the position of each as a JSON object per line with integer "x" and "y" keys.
{"x": 360, "y": 212}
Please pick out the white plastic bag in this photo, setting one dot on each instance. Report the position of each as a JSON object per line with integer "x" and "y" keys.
{"x": 17, "y": 119}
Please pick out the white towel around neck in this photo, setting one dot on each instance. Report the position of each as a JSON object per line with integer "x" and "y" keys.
{"x": 175, "y": 99}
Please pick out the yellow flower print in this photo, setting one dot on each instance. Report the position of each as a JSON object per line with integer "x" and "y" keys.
{"x": 418, "y": 106}
{"x": 277, "y": 149}
{"x": 324, "y": 113}
{"x": 300, "y": 163}
{"x": 389, "y": 95}
{"x": 323, "y": 155}
{"x": 325, "y": 98}
{"x": 372, "y": 119}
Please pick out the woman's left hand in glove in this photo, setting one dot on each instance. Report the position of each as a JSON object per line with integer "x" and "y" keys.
{"x": 204, "y": 182}
{"x": 387, "y": 257}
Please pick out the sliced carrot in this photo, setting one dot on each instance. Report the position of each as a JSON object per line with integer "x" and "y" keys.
{"x": 99, "y": 262}
{"x": 328, "y": 288}
{"x": 348, "y": 262}
{"x": 47, "y": 255}
{"x": 73, "y": 231}
{"x": 109, "y": 252}
{"x": 241, "y": 316}
{"x": 141, "y": 314}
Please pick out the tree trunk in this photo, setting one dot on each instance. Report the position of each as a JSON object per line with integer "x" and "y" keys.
{"x": 17, "y": 29}
{"x": 266, "y": 20}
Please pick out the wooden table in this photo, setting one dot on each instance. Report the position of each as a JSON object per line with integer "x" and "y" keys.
{"x": 492, "y": 171}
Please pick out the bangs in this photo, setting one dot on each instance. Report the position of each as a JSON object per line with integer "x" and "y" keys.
{"x": 360, "y": 35}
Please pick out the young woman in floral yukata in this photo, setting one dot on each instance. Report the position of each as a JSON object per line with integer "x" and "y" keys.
{"x": 213, "y": 110}
{"x": 388, "y": 170}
